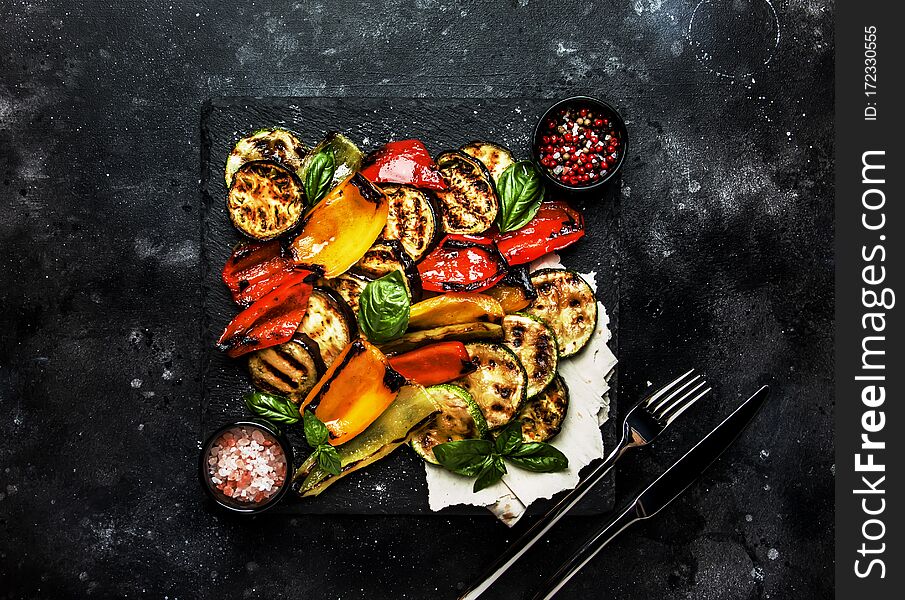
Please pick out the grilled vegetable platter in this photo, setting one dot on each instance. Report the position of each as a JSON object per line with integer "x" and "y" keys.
{"x": 386, "y": 297}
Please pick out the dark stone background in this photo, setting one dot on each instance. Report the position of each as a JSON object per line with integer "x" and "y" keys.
{"x": 727, "y": 240}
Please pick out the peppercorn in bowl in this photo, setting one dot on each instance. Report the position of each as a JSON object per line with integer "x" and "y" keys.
{"x": 580, "y": 143}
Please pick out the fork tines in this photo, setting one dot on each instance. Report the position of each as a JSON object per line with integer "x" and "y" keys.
{"x": 676, "y": 397}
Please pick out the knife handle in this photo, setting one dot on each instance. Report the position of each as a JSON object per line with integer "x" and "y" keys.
{"x": 603, "y": 536}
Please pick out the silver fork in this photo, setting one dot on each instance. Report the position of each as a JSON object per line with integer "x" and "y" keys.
{"x": 642, "y": 424}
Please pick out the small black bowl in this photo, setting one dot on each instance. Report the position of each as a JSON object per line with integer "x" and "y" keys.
{"x": 579, "y": 102}
{"x": 221, "y": 499}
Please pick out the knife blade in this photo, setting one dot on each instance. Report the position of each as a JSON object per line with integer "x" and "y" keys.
{"x": 663, "y": 490}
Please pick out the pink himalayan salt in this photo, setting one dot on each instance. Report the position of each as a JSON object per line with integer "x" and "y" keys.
{"x": 246, "y": 464}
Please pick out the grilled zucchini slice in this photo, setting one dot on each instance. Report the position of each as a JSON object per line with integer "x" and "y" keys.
{"x": 290, "y": 369}
{"x": 265, "y": 200}
{"x": 274, "y": 145}
{"x": 349, "y": 286}
{"x": 542, "y": 416}
{"x": 386, "y": 256}
{"x": 567, "y": 304}
{"x": 460, "y": 418}
{"x": 470, "y": 204}
{"x": 412, "y": 219}
{"x": 499, "y": 385}
{"x": 493, "y": 156}
{"x": 534, "y": 343}
{"x": 329, "y": 322}
{"x": 460, "y": 332}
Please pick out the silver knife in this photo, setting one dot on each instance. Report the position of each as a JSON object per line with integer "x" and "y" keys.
{"x": 664, "y": 489}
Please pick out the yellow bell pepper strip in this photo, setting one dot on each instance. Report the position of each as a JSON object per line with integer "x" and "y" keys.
{"x": 355, "y": 390}
{"x": 340, "y": 229}
{"x": 450, "y": 309}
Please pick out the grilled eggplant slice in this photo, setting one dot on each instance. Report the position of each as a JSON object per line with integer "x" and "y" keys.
{"x": 412, "y": 407}
{"x": 265, "y": 200}
{"x": 567, "y": 304}
{"x": 542, "y": 416}
{"x": 499, "y": 385}
{"x": 493, "y": 156}
{"x": 412, "y": 218}
{"x": 349, "y": 286}
{"x": 470, "y": 204}
{"x": 460, "y": 418}
{"x": 274, "y": 145}
{"x": 329, "y": 322}
{"x": 534, "y": 343}
{"x": 290, "y": 369}
{"x": 462, "y": 332}
{"x": 386, "y": 256}
{"x": 515, "y": 291}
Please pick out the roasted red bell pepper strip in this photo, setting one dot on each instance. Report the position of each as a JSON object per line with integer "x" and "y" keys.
{"x": 405, "y": 161}
{"x": 437, "y": 363}
{"x": 556, "y": 226}
{"x": 271, "y": 320}
{"x": 462, "y": 264}
{"x": 254, "y": 270}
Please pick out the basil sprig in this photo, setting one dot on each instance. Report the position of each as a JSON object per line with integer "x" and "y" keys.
{"x": 521, "y": 192}
{"x": 316, "y": 435}
{"x": 276, "y": 409}
{"x": 384, "y": 308}
{"x": 483, "y": 459}
{"x": 319, "y": 176}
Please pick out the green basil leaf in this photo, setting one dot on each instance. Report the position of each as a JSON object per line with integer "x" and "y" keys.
{"x": 316, "y": 433}
{"x": 383, "y": 308}
{"x": 489, "y": 474}
{"x": 328, "y": 459}
{"x": 538, "y": 457}
{"x": 319, "y": 176}
{"x": 273, "y": 408}
{"x": 521, "y": 191}
{"x": 498, "y": 464}
{"x": 465, "y": 457}
{"x": 509, "y": 438}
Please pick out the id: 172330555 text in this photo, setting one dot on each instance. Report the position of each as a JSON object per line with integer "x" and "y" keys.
{"x": 870, "y": 73}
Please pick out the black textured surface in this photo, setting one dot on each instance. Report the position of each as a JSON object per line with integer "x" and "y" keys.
{"x": 726, "y": 265}
{"x": 395, "y": 485}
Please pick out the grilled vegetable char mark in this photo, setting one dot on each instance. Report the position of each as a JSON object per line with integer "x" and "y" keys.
{"x": 329, "y": 322}
{"x": 534, "y": 342}
{"x": 265, "y": 200}
{"x": 567, "y": 304}
{"x": 349, "y": 286}
{"x": 274, "y": 145}
{"x": 412, "y": 218}
{"x": 386, "y": 256}
{"x": 499, "y": 384}
{"x": 470, "y": 205}
{"x": 460, "y": 418}
{"x": 290, "y": 369}
{"x": 493, "y": 156}
{"x": 543, "y": 415}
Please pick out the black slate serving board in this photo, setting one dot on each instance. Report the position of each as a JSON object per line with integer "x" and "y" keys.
{"x": 395, "y": 485}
